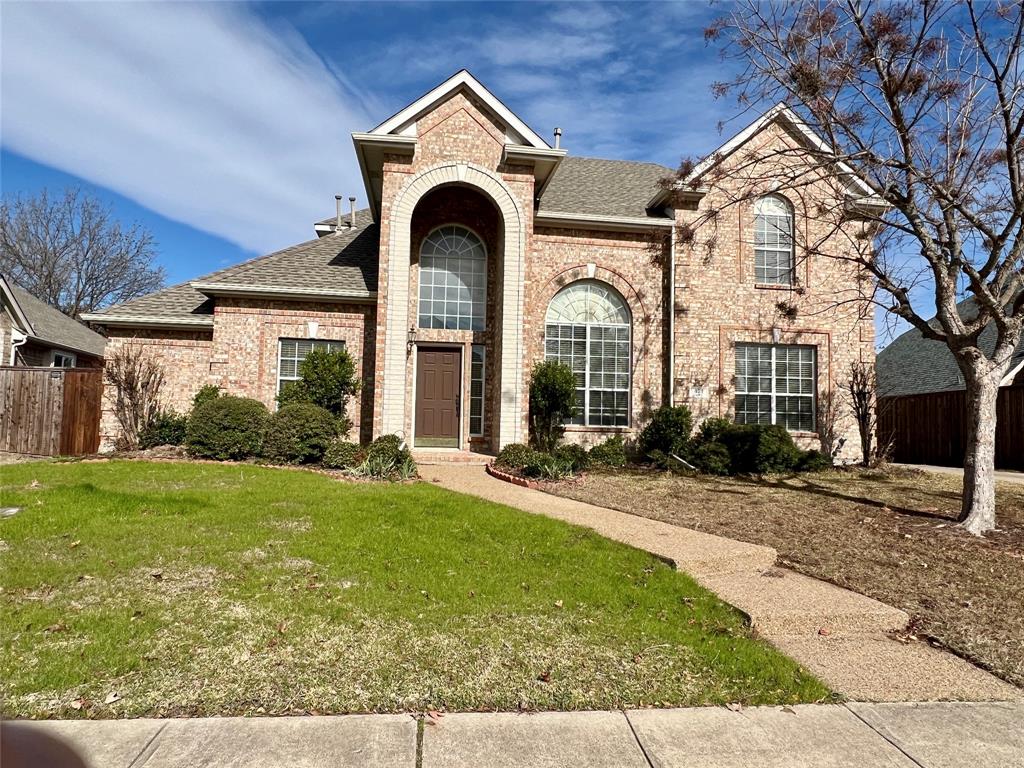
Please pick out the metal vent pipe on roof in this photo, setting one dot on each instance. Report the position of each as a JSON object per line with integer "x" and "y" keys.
{"x": 352, "y": 212}
{"x": 558, "y": 138}
{"x": 337, "y": 205}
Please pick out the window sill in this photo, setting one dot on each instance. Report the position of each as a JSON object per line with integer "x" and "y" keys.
{"x": 804, "y": 434}
{"x": 581, "y": 428}
{"x": 776, "y": 287}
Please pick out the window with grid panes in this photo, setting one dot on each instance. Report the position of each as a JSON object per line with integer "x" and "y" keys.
{"x": 291, "y": 353}
{"x": 453, "y": 280}
{"x": 776, "y": 384}
{"x": 476, "y": 390}
{"x": 587, "y": 327}
{"x": 773, "y": 241}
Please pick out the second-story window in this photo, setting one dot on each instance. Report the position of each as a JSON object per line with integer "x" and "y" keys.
{"x": 453, "y": 280}
{"x": 773, "y": 241}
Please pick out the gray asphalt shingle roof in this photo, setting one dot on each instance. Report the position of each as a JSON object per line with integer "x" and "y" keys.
{"x": 602, "y": 187}
{"x": 54, "y": 327}
{"x": 912, "y": 365}
{"x": 345, "y": 261}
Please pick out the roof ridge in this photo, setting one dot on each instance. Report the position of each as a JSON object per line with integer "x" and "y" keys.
{"x": 616, "y": 160}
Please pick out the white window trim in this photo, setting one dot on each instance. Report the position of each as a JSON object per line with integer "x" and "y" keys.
{"x": 791, "y": 251}
{"x": 813, "y": 396}
{"x": 280, "y": 344}
{"x": 69, "y": 355}
{"x": 483, "y": 388}
{"x": 483, "y": 303}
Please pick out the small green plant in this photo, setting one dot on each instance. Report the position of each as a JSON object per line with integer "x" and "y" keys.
{"x": 388, "y": 458}
{"x": 514, "y": 456}
{"x": 328, "y": 379}
{"x": 552, "y": 400}
{"x": 205, "y": 394}
{"x": 711, "y": 458}
{"x": 711, "y": 430}
{"x": 226, "y": 428}
{"x": 168, "y": 428}
{"x": 610, "y": 453}
{"x": 342, "y": 454}
{"x": 760, "y": 449}
{"x": 813, "y": 461}
{"x": 575, "y": 456}
{"x": 546, "y": 466}
{"x": 299, "y": 434}
{"x": 668, "y": 431}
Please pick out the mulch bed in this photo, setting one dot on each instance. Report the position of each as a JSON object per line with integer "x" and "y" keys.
{"x": 890, "y": 534}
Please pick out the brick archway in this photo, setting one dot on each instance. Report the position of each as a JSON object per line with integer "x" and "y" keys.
{"x": 395, "y": 396}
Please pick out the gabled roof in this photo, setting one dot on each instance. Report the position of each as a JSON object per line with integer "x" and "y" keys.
{"x": 43, "y": 323}
{"x": 591, "y": 186}
{"x": 460, "y": 80}
{"x": 341, "y": 267}
{"x": 914, "y": 365}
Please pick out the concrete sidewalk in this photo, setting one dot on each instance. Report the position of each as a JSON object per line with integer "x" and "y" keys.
{"x": 1001, "y": 475}
{"x": 842, "y": 637}
{"x": 809, "y": 736}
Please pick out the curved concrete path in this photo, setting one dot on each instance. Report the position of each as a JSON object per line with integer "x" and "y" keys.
{"x": 841, "y": 636}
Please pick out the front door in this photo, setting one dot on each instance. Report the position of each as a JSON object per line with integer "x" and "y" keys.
{"x": 438, "y": 390}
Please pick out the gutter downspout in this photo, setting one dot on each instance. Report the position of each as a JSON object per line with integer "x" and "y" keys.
{"x": 16, "y": 342}
{"x": 672, "y": 314}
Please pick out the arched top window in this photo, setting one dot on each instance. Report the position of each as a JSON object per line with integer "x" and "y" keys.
{"x": 587, "y": 327}
{"x": 588, "y": 301}
{"x": 453, "y": 280}
{"x": 773, "y": 241}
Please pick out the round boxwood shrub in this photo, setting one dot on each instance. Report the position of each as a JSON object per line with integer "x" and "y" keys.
{"x": 226, "y": 428}
{"x": 206, "y": 393}
{"x": 760, "y": 449}
{"x": 299, "y": 434}
{"x": 514, "y": 456}
{"x": 668, "y": 431}
{"x": 168, "y": 428}
{"x": 813, "y": 461}
{"x": 574, "y": 456}
{"x": 610, "y": 453}
{"x": 342, "y": 454}
{"x": 712, "y": 458}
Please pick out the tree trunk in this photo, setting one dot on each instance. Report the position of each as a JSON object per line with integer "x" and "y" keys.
{"x": 978, "y": 509}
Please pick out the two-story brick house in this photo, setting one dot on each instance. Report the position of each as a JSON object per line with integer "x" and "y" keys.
{"x": 483, "y": 250}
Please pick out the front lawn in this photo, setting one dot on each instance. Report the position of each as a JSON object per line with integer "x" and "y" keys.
{"x": 887, "y": 534}
{"x": 134, "y": 588}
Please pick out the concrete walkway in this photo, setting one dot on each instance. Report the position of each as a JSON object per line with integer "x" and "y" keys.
{"x": 1001, "y": 475}
{"x": 842, "y": 637}
{"x": 826, "y": 736}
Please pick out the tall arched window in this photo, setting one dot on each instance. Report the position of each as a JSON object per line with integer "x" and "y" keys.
{"x": 587, "y": 328}
{"x": 773, "y": 241}
{"x": 453, "y": 280}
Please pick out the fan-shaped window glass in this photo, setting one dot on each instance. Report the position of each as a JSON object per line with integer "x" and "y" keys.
{"x": 587, "y": 328}
{"x": 773, "y": 241}
{"x": 453, "y": 280}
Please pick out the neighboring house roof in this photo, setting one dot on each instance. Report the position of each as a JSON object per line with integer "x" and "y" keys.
{"x": 339, "y": 266}
{"x": 48, "y": 325}
{"x": 913, "y": 365}
{"x": 591, "y": 186}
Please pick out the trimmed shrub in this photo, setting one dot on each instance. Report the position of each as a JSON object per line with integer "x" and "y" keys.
{"x": 546, "y": 466}
{"x": 299, "y": 434}
{"x": 328, "y": 379}
{"x": 514, "y": 456}
{"x": 575, "y": 456}
{"x": 205, "y": 394}
{"x": 668, "y": 431}
{"x": 610, "y": 453}
{"x": 760, "y": 449}
{"x": 552, "y": 401}
{"x": 386, "y": 457}
{"x": 711, "y": 430}
{"x": 813, "y": 461}
{"x": 712, "y": 458}
{"x": 342, "y": 454}
{"x": 225, "y": 428}
{"x": 168, "y": 428}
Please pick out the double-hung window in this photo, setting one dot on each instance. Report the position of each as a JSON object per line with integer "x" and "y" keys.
{"x": 291, "y": 353}
{"x": 776, "y": 384}
{"x": 773, "y": 241}
{"x": 588, "y": 328}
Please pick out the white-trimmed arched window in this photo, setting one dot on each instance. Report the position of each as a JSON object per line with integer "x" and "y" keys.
{"x": 773, "y": 241}
{"x": 453, "y": 280}
{"x": 587, "y": 327}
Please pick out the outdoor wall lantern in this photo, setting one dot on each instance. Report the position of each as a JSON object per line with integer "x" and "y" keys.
{"x": 410, "y": 338}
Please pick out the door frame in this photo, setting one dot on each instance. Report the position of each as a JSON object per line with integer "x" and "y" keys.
{"x": 453, "y": 345}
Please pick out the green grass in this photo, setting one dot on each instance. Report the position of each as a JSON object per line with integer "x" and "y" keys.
{"x": 202, "y": 589}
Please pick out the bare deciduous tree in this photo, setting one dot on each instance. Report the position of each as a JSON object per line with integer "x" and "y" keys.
{"x": 73, "y": 254}
{"x": 924, "y": 101}
{"x": 135, "y": 380}
{"x": 860, "y": 386}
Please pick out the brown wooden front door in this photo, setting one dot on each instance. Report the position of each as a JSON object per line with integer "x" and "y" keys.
{"x": 438, "y": 390}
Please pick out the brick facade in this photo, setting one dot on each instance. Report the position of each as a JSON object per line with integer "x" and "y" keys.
{"x": 458, "y": 174}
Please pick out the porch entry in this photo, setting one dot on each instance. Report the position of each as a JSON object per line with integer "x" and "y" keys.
{"x": 438, "y": 397}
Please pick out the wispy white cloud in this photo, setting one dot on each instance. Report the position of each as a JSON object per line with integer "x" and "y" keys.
{"x": 200, "y": 112}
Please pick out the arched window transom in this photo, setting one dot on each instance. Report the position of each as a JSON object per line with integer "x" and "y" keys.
{"x": 587, "y": 327}
{"x": 773, "y": 241}
{"x": 453, "y": 280}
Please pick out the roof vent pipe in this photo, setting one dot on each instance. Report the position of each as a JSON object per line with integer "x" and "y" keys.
{"x": 337, "y": 205}
{"x": 352, "y": 212}
{"x": 558, "y": 138}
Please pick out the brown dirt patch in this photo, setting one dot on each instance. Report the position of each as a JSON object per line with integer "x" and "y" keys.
{"x": 889, "y": 534}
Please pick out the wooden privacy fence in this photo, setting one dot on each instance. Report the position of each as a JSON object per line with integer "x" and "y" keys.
{"x": 932, "y": 429}
{"x": 50, "y": 411}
